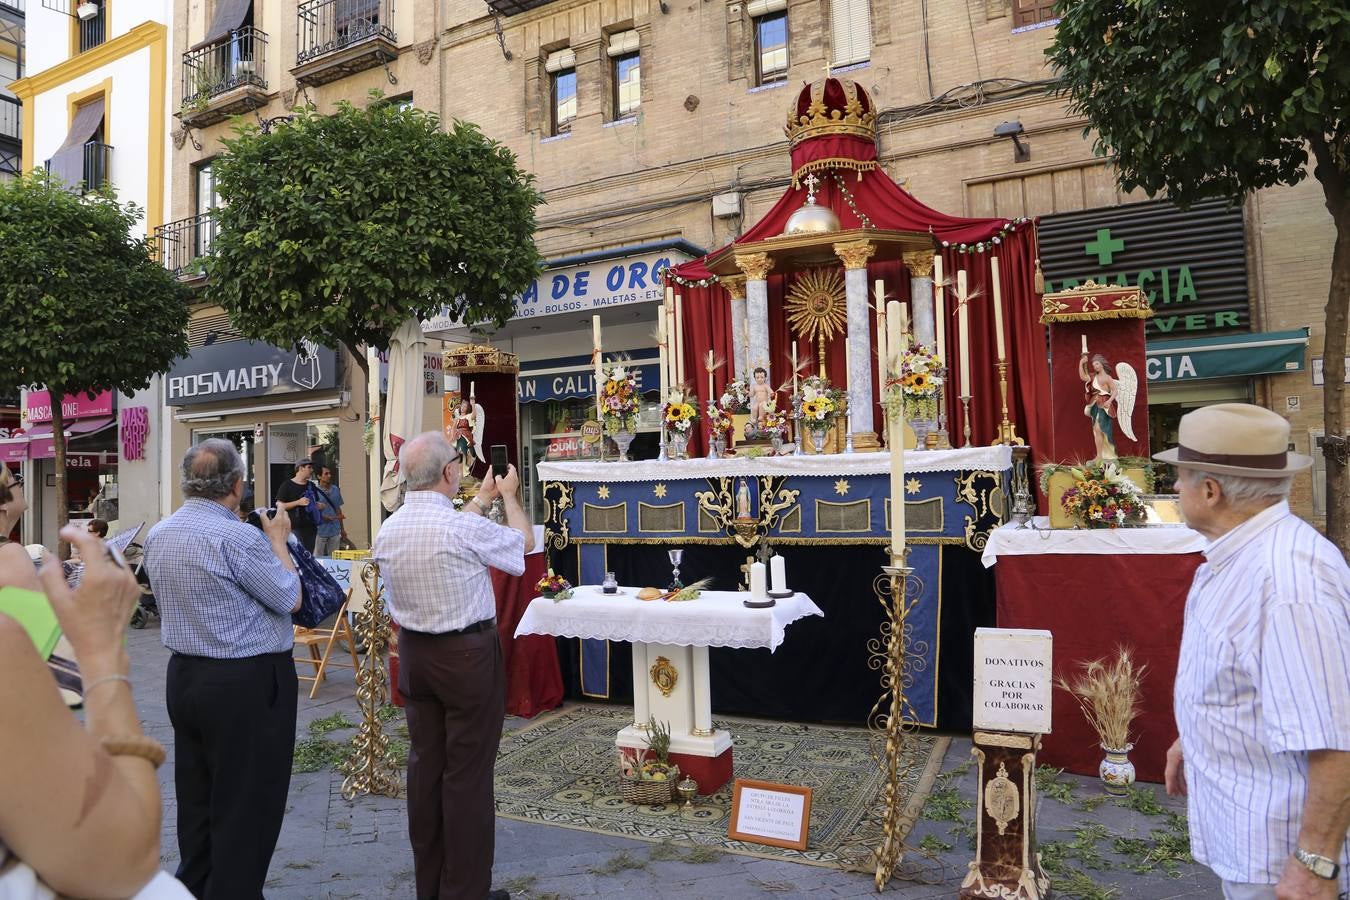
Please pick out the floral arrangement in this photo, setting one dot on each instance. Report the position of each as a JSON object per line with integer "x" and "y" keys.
{"x": 554, "y": 587}
{"x": 619, "y": 399}
{"x": 771, "y": 423}
{"x": 1102, "y": 497}
{"x": 736, "y": 397}
{"x": 719, "y": 420}
{"x": 678, "y": 413}
{"x": 819, "y": 403}
{"x": 919, "y": 377}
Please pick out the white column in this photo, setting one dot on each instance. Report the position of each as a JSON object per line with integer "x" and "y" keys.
{"x": 757, "y": 315}
{"x": 920, "y": 265}
{"x": 859, "y": 348}
{"x": 738, "y": 337}
{"x": 702, "y": 675}
{"x": 642, "y": 710}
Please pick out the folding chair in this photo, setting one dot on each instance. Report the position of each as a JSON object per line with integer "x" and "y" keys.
{"x": 313, "y": 638}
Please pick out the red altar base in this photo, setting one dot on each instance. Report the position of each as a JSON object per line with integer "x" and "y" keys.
{"x": 711, "y": 772}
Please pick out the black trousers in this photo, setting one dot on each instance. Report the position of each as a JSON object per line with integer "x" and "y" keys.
{"x": 234, "y": 738}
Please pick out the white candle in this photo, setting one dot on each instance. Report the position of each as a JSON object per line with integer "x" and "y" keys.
{"x": 883, "y": 354}
{"x": 661, "y": 348}
{"x": 679, "y": 339}
{"x": 963, "y": 332}
{"x": 998, "y": 307}
{"x": 794, "y": 368}
{"x": 757, "y": 590}
{"x": 779, "y": 573}
{"x": 895, "y": 440}
{"x": 939, "y": 316}
{"x": 595, "y": 352}
{"x": 1084, "y": 337}
{"x": 670, "y": 297}
{"x": 895, "y": 338}
{"x": 904, "y": 319}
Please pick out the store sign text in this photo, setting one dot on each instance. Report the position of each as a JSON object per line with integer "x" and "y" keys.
{"x": 245, "y": 378}
{"x": 591, "y": 287}
{"x": 1167, "y": 368}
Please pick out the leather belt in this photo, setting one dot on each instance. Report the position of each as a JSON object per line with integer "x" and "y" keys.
{"x": 476, "y": 627}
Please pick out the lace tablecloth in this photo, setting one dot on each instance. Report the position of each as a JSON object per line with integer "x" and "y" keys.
{"x": 982, "y": 459}
{"x": 715, "y": 619}
{"x": 1039, "y": 538}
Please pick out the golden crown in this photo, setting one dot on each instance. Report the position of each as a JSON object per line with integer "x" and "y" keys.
{"x": 819, "y": 110}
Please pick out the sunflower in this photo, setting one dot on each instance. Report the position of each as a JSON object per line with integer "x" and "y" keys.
{"x": 1094, "y": 510}
{"x": 611, "y": 387}
{"x": 919, "y": 381}
{"x": 812, "y": 408}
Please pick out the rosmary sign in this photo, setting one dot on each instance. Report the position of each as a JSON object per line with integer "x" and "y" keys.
{"x": 241, "y": 369}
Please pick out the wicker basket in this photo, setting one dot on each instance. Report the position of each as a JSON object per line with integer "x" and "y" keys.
{"x": 649, "y": 793}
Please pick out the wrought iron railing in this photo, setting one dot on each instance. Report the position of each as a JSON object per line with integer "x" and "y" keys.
{"x": 97, "y": 169}
{"x": 11, "y": 118}
{"x": 326, "y": 26}
{"x": 181, "y": 245}
{"x": 15, "y": 5}
{"x": 94, "y": 30}
{"x": 213, "y": 70}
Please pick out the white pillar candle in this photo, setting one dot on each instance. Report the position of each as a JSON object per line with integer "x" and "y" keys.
{"x": 794, "y": 368}
{"x": 998, "y": 307}
{"x": 895, "y": 440}
{"x": 757, "y": 589}
{"x": 679, "y": 339}
{"x": 904, "y": 320}
{"x": 939, "y": 325}
{"x": 895, "y": 338}
{"x": 595, "y": 353}
{"x": 1084, "y": 337}
{"x": 661, "y": 348}
{"x": 883, "y": 355}
{"x": 778, "y": 572}
{"x": 963, "y": 332}
{"x": 670, "y": 297}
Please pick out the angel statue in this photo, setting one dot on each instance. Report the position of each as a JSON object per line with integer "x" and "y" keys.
{"x": 1109, "y": 400}
{"x": 469, "y": 422}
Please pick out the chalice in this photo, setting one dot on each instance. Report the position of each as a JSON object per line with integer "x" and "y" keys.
{"x": 676, "y": 557}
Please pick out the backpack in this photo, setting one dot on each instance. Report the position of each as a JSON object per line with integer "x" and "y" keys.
{"x": 315, "y": 513}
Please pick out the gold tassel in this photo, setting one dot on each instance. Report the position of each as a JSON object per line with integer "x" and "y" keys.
{"x": 1040, "y": 277}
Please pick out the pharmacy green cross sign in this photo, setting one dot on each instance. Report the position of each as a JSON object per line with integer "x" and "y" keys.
{"x": 1103, "y": 247}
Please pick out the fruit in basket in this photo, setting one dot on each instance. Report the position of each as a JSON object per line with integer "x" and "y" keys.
{"x": 655, "y": 771}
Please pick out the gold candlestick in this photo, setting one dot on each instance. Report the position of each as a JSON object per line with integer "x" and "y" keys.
{"x": 965, "y": 420}
{"x": 1007, "y": 431}
{"x": 891, "y": 724}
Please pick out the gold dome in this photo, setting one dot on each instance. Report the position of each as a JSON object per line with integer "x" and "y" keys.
{"x": 812, "y": 218}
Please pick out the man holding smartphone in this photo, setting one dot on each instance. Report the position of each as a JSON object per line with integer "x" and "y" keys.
{"x": 434, "y": 561}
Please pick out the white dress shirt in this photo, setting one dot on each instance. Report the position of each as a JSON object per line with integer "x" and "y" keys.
{"x": 1263, "y": 678}
{"x": 433, "y": 561}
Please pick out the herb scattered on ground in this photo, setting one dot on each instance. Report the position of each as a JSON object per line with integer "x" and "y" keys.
{"x": 700, "y": 855}
{"x": 299, "y": 865}
{"x": 931, "y": 843}
{"x": 1142, "y": 800}
{"x": 336, "y": 722}
{"x": 665, "y": 851}
{"x": 945, "y": 804}
{"x": 519, "y": 884}
{"x": 1049, "y": 785}
{"x": 315, "y": 754}
{"x": 400, "y": 748}
{"x": 387, "y": 712}
{"x": 619, "y": 862}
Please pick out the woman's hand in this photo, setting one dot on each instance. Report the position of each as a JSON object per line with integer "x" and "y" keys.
{"x": 94, "y": 617}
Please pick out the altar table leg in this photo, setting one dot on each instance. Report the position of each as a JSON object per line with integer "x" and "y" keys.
{"x": 641, "y": 707}
{"x": 702, "y": 676}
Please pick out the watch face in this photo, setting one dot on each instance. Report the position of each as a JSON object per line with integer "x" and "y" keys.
{"x": 1318, "y": 865}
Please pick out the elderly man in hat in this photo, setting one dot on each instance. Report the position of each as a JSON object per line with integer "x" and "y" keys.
{"x": 1262, "y": 692}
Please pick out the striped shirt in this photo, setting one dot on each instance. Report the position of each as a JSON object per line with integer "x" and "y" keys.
{"x": 1263, "y": 678}
{"x": 222, "y": 592}
{"x": 433, "y": 560}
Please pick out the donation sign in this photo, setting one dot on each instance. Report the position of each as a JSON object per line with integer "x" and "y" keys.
{"x": 1013, "y": 680}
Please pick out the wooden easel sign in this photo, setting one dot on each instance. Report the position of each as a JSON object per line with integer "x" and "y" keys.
{"x": 763, "y": 812}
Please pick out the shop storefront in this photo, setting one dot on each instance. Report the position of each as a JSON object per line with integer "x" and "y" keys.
{"x": 276, "y": 406}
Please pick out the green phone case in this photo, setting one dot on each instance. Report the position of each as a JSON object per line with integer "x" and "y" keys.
{"x": 33, "y": 611}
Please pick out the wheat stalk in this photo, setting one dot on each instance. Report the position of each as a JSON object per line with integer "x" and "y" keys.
{"x": 1108, "y": 692}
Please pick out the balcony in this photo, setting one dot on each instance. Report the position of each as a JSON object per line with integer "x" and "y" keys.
{"x": 181, "y": 245}
{"x": 94, "y": 173}
{"x": 337, "y": 38}
{"x": 224, "y": 79}
{"x": 11, "y": 119}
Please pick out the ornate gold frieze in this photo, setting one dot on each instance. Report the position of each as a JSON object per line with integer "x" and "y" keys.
{"x": 756, "y": 266}
{"x": 474, "y": 358}
{"x": 1085, "y": 303}
{"x": 855, "y": 254}
{"x": 919, "y": 263}
{"x": 1003, "y": 739}
{"x": 735, "y": 285}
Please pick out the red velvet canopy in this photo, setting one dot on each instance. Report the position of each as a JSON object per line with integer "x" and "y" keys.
{"x": 964, "y": 242}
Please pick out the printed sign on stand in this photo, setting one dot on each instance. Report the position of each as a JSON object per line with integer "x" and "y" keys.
{"x": 763, "y": 812}
{"x": 1013, "y": 680}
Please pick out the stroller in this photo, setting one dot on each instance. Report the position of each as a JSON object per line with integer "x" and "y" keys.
{"x": 134, "y": 554}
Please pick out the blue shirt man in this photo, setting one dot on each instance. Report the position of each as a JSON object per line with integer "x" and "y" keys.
{"x": 332, "y": 529}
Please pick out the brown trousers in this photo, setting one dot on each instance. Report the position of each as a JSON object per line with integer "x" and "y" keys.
{"x": 454, "y": 686}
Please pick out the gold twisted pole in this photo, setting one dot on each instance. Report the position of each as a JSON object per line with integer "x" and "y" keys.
{"x": 1007, "y": 431}
{"x": 370, "y": 769}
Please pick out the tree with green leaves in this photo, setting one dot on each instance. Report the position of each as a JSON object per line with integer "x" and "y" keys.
{"x": 1197, "y": 100}
{"x": 339, "y": 228}
{"x": 85, "y": 306}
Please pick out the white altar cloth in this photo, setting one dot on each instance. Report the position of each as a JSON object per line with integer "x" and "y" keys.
{"x": 1039, "y": 538}
{"x": 983, "y": 459}
{"x": 715, "y": 619}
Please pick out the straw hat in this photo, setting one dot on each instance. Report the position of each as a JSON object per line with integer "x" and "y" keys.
{"x": 1235, "y": 439}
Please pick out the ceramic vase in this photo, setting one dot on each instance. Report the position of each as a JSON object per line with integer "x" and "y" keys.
{"x": 1116, "y": 770}
{"x": 623, "y": 439}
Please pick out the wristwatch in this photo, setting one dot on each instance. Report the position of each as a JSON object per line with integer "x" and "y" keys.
{"x": 1320, "y": 866}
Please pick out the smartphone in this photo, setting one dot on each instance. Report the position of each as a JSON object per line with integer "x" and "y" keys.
{"x": 499, "y": 462}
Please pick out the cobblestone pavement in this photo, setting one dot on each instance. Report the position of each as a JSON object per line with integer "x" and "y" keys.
{"x": 330, "y": 848}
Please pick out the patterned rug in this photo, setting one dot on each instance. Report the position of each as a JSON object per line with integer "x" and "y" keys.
{"x": 563, "y": 771}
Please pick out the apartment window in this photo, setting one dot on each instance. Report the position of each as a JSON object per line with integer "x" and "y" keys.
{"x": 93, "y": 28}
{"x": 851, "y": 31}
{"x": 205, "y": 198}
{"x": 771, "y": 39}
{"x": 561, "y": 66}
{"x": 1033, "y": 12}
{"x": 626, "y": 63}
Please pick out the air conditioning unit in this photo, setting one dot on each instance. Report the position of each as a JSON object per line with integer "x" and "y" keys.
{"x": 726, "y": 206}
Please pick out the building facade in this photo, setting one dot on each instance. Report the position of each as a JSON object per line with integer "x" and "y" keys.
{"x": 258, "y": 59}
{"x": 12, "y": 22}
{"x": 95, "y": 113}
{"x": 652, "y": 122}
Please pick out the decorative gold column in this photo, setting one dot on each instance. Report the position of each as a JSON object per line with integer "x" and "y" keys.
{"x": 756, "y": 267}
{"x": 370, "y": 769}
{"x": 920, "y": 266}
{"x": 854, "y": 256}
{"x": 735, "y": 285}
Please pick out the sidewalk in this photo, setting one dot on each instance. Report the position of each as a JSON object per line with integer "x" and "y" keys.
{"x": 330, "y": 848}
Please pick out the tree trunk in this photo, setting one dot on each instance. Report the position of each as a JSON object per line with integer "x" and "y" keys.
{"x": 358, "y": 354}
{"x": 62, "y": 488}
{"x": 1334, "y": 186}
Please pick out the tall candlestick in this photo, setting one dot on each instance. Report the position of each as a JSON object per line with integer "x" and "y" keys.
{"x": 778, "y": 572}
{"x": 661, "y": 348}
{"x": 963, "y": 331}
{"x": 998, "y": 307}
{"x": 595, "y": 352}
{"x": 895, "y": 338}
{"x": 758, "y": 590}
{"x": 679, "y": 339}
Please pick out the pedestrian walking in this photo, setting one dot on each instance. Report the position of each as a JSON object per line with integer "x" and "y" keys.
{"x": 226, "y": 592}
{"x": 332, "y": 527}
{"x": 294, "y": 497}
{"x": 1262, "y": 691}
{"x": 434, "y": 561}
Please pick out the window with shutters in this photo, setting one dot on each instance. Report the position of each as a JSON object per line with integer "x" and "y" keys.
{"x": 771, "y": 40}
{"x": 625, "y": 74}
{"x": 850, "y": 32}
{"x": 1033, "y": 12}
{"x": 561, "y": 68}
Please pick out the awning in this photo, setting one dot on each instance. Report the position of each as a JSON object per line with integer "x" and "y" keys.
{"x": 230, "y": 14}
{"x": 1226, "y": 356}
{"x": 67, "y": 163}
{"x": 42, "y": 446}
{"x": 573, "y": 377}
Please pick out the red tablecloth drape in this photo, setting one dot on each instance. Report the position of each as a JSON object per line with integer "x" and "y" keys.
{"x": 533, "y": 678}
{"x": 1092, "y": 603}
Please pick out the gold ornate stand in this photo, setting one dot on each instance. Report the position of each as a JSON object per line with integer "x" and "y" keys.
{"x": 1007, "y": 431}
{"x": 891, "y": 723}
{"x": 370, "y": 769}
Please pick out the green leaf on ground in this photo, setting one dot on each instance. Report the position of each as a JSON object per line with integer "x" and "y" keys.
{"x": 336, "y": 722}
{"x": 315, "y": 754}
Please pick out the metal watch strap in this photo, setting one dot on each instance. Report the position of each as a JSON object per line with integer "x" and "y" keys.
{"x": 1321, "y": 866}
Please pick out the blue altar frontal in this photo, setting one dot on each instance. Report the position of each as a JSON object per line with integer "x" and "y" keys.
{"x": 830, "y": 517}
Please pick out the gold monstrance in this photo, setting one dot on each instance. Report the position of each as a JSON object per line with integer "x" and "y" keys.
{"x": 816, "y": 310}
